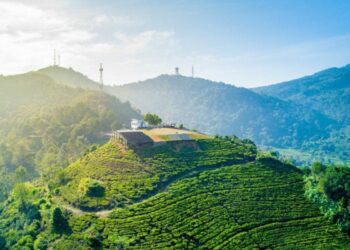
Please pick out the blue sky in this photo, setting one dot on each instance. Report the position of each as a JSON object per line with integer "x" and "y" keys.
{"x": 246, "y": 43}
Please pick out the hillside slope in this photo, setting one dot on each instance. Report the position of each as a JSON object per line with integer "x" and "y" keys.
{"x": 69, "y": 77}
{"x": 45, "y": 126}
{"x": 259, "y": 204}
{"x": 287, "y": 124}
{"x": 31, "y": 90}
{"x": 218, "y": 108}
{"x": 327, "y": 91}
{"x": 130, "y": 176}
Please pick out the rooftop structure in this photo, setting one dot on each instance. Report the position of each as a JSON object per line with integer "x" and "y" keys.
{"x": 156, "y": 136}
{"x": 133, "y": 138}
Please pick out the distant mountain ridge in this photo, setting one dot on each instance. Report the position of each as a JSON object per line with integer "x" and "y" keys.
{"x": 69, "y": 77}
{"x": 309, "y": 114}
{"x": 327, "y": 91}
{"x": 219, "y": 108}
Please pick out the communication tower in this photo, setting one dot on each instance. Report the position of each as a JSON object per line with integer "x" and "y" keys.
{"x": 54, "y": 57}
{"x": 101, "y": 76}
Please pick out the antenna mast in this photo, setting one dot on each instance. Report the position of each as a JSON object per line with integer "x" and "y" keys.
{"x": 54, "y": 57}
{"x": 101, "y": 76}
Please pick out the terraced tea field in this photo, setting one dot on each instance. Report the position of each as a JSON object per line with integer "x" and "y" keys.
{"x": 251, "y": 206}
{"x": 211, "y": 194}
{"x": 130, "y": 176}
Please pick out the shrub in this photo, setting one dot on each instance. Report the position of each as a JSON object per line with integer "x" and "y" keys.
{"x": 91, "y": 188}
{"x": 58, "y": 221}
{"x": 40, "y": 243}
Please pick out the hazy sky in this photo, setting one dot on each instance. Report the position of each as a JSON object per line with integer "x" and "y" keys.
{"x": 247, "y": 43}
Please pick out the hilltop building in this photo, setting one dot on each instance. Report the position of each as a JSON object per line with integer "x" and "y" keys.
{"x": 133, "y": 138}
{"x": 156, "y": 136}
{"x": 138, "y": 124}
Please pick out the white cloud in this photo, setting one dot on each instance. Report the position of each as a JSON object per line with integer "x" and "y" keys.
{"x": 104, "y": 19}
{"x": 28, "y": 35}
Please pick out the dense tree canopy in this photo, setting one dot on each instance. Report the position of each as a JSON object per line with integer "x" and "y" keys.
{"x": 152, "y": 119}
{"x": 329, "y": 186}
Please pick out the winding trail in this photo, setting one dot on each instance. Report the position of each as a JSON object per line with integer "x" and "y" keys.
{"x": 162, "y": 187}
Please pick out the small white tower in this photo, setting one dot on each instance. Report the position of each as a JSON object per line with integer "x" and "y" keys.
{"x": 192, "y": 71}
{"x": 101, "y": 76}
{"x": 54, "y": 57}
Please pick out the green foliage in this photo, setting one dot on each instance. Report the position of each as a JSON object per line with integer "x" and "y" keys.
{"x": 45, "y": 126}
{"x": 152, "y": 119}
{"x": 40, "y": 243}
{"x": 209, "y": 194}
{"x": 327, "y": 92}
{"x": 318, "y": 168}
{"x": 58, "y": 222}
{"x": 329, "y": 187}
{"x": 21, "y": 218}
{"x": 91, "y": 188}
{"x": 128, "y": 175}
{"x": 255, "y": 205}
{"x": 21, "y": 194}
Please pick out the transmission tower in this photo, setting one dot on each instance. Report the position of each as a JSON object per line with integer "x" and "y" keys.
{"x": 54, "y": 57}
{"x": 101, "y": 76}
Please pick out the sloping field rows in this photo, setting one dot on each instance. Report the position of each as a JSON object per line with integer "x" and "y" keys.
{"x": 129, "y": 176}
{"x": 256, "y": 205}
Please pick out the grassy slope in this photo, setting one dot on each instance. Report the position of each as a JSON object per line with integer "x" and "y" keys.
{"x": 129, "y": 176}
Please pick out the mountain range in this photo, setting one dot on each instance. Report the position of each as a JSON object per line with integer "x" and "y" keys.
{"x": 304, "y": 119}
{"x": 64, "y": 185}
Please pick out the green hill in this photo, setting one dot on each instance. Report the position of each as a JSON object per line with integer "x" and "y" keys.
{"x": 69, "y": 77}
{"x": 44, "y": 126}
{"x": 128, "y": 176}
{"x": 210, "y": 194}
{"x": 218, "y": 108}
{"x": 328, "y": 92}
{"x": 277, "y": 117}
{"x": 31, "y": 90}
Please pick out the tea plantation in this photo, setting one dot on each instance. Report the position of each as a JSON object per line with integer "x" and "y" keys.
{"x": 128, "y": 176}
{"x": 256, "y": 205}
{"x": 211, "y": 194}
